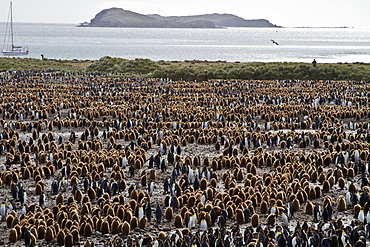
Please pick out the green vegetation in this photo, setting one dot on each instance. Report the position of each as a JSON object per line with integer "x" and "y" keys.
{"x": 197, "y": 70}
{"x": 264, "y": 71}
{"x": 124, "y": 67}
{"x": 25, "y": 64}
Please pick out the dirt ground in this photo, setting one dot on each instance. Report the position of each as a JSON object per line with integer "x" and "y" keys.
{"x": 99, "y": 87}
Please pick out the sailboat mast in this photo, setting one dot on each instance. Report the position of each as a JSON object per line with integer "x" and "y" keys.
{"x": 15, "y": 50}
{"x": 11, "y": 23}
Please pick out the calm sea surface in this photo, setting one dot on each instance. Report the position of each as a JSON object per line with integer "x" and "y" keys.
{"x": 65, "y": 41}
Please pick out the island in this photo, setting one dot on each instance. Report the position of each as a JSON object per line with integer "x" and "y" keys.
{"x": 118, "y": 17}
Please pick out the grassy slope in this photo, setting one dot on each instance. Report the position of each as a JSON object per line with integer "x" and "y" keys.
{"x": 24, "y": 64}
{"x": 196, "y": 70}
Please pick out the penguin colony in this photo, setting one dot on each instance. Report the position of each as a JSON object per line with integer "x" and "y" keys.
{"x": 97, "y": 161}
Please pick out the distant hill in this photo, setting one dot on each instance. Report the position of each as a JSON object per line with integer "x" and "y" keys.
{"x": 219, "y": 20}
{"x": 117, "y": 17}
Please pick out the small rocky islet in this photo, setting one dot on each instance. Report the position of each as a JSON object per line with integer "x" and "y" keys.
{"x": 117, "y": 17}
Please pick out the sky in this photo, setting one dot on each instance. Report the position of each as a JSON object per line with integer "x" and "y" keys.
{"x": 287, "y": 13}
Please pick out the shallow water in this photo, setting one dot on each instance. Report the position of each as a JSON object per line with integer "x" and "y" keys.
{"x": 66, "y": 41}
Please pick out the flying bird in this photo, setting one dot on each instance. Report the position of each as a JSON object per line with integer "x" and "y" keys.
{"x": 273, "y": 41}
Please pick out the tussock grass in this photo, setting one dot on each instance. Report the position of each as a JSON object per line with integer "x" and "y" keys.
{"x": 197, "y": 70}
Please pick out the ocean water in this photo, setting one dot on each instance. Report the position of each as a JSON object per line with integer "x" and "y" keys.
{"x": 66, "y": 41}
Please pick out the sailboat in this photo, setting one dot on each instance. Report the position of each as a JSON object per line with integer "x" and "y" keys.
{"x": 9, "y": 49}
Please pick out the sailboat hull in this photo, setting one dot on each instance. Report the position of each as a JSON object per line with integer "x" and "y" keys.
{"x": 15, "y": 53}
